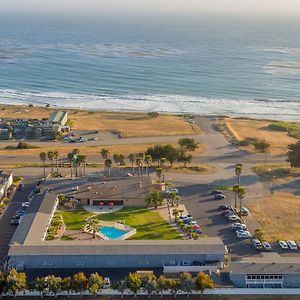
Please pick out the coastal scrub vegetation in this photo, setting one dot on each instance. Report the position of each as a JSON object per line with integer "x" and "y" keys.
{"x": 293, "y": 129}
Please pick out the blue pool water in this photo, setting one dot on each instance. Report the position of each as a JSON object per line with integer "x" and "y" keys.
{"x": 111, "y": 232}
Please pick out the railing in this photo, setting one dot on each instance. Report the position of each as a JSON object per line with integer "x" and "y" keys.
{"x": 178, "y": 269}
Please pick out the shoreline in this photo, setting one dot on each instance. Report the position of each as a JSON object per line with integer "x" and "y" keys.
{"x": 48, "y": 106}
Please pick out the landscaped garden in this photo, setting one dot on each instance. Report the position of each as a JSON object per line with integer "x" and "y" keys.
{"x": 148, "y": 224}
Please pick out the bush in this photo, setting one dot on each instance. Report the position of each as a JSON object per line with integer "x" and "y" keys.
{"x": 153, "y": 114}
{"x": 23, "y": 145}
{"x": 292, "y": 129}
{"x": 248, "y": 142}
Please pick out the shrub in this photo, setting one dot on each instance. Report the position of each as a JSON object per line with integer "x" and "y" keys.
{"x": 23, "y": 145}
{"x": 153, "y": 114}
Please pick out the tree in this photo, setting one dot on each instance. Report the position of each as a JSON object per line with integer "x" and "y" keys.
{"x": 163, "y": 161}
{"x": 294, "y": 155}
{"x": 134, "y": 282}
{"x": 50, "y": 156}
{"x": 56, "y": 156}
{"x": 116, "y": 158}
{"x": 187, "y": 283}
{"x": 238, "y": 172}
{"x": 158, "y": 151}
{"x": 108, "y": 164}
{"x": 174, "y": 197}
{"x": 175, "y": 213}
{"x": 159, "y": 172}
{"x": 259, "y": 234}
{"x": 149, "y": 283}
{"x": 82, "y": 160}
{"x": 132, "y": 159}
{"x": 203, "y": 282}
{"x": 43, "y": 158}
{"x": 154, "y": 199}
{"x": 94, "y": 224}
{"x": 263, "y": 146}
{"x": 70, "y": 159}
{"x": 120, "y": 286}
{"x": 95, "y": 283}
{"x": 240, "y": 193}
{"x": 139, "y": 163}
{"x": 3, "y": 283}
{"x": 15, "y": 282}
{"x": 122, "y": 162}
{"x": 174, "y": 286}
{"x": 104, "y": 153}
{"x": 188, "y": 144}
{"x": 148, "y": 161}
{"x": 185, "y": 158}
{"x": 40, "y": 285}
{"x": 79, "y": 283}
{"x": 66, "y": 285}
{"x": 54, "y": 284}
{"x": 161, "y": 284}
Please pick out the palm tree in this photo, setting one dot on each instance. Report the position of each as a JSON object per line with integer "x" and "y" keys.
{"x": 139, "y": 164}
{"x": 148, "y": 161}
{"x": 235, "y": 189}
{"x": 154, "y": 199}
{"x": 122, "y": 162}
{"x": 173, "y": 196}
{"x": 132, "y": 159}
{"x": 240, "y": 193}
{"x": 116, "y": 158}
{"x": 84, "y": 161}
{"x": 163, "y": 162}
{"x": 50, "y": 156}
{"x": 108, "y": 164}
{"x": 159, "y": 172}
{"x": 161, "y": 285}
{"x": 104, "y": 153}
{"x": 94, "y": 224}
{"x": 238, "y": 172}
{"x": 81, "y": 161}
{"x": 263, "y": 147}
{"x": 43, "y": 158}
{"x": 185, "y": 158}
{"x": 56, "y": 156}
{"x": 70, "y": 159}
{"x": 187, "y": 283}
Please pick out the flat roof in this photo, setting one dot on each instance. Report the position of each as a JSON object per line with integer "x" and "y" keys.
{"x": 28, "y": 239}
{"x": 267, "y": 263}
{"x": 57, "y": 116}
{"x": 4, "y": 175}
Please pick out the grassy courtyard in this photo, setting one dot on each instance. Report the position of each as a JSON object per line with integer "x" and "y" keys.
{"x": 149, "y": 224}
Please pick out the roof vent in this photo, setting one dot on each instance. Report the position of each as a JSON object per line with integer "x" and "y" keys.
{"x": 253, "y": 263}
{"x": 291, "y": 266}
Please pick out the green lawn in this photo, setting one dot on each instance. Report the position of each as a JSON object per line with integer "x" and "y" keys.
{"x": 74, "y": 220}
{"x": 149, "y": 224}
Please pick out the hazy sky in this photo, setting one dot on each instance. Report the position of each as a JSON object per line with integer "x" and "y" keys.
{"x": 273, "y": 7}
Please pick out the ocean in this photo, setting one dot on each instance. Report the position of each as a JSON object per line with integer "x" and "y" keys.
{"x": 211, "y": 66}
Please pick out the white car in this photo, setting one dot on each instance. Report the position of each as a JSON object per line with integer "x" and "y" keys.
{"x": 233, "y": 218}
{"x": 266, "y": 246}
{"x": 257, "y": 244}
{"x": 238, "y": 226}
{"x": 172, "y": 191}
{"x": 243, "y": 234}
{"x": 298, "y": 243}
{"x": 292, "y": 245}
{"x": 25, "y": 204}
{"x": 283, "y": 245}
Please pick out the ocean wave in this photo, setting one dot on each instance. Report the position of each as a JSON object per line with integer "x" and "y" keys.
{"x": 265, "y": 108}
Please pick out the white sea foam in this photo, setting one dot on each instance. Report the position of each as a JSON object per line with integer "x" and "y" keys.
{"x": 272, "y": 108}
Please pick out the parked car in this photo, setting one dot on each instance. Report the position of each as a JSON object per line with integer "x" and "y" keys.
{"x": 244, "y": 211}
{"x": 219, "y": 197}
{"x": 298, "y": 244}
{"x": 37, "y": 191}
{"x": 234, "y": 218}
{"x": 106, "y": 282}
{"x": 14, "y": 222}
{"x": 238, "y": 226}
{"x": 227, "y": 211}
{"x": 257, "y": 244}
{"x": 21, "y": 187}
{"x": 266, "y": 246}
{"x": 243, "y": 234}
{"x": 224, "y": 207}
{"x": 172, "y": 191}
{"x": 216, "y": 192}
{"x": 185, "y": 216}
{"x": 292, "y": 245}
{"x": 25, "y": 204}
{"x": 283, "y": 245}
{"x": 20, "y": 211}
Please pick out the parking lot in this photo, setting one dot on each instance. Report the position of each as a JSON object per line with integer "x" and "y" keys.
{"x": 7, "y": 230}
{"x": 204, "y": 208}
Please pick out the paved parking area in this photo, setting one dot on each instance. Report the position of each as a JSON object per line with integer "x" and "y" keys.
{"x": 7, "y": 230}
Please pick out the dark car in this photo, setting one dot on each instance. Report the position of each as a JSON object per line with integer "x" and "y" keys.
{"x": 216, "y": 192}
{"x": 14, "y": 222}
{"x": 37, "y": 191}
{"x": 21, "y": 187}
{"x": 224, "y": 207}
{"x": 219, "y": 196}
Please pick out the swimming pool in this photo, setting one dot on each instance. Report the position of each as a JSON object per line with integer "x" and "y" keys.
{"x": 111, "y": 232}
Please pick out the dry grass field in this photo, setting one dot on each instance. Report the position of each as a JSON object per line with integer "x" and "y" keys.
{"x": 279, "y": 215}
{"x": 242, "y": 129}
{"x": 130, "y": 124}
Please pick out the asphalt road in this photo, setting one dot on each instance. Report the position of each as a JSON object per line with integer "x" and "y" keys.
{"x": 7, "y": 230}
